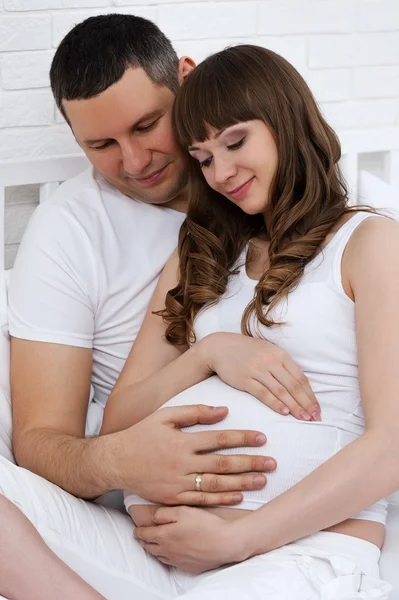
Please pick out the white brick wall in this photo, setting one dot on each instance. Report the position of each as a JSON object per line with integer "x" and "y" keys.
{"x": 348, "y": 50}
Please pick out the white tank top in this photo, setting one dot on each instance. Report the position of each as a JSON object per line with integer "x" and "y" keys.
{"x": 318, "y": 332}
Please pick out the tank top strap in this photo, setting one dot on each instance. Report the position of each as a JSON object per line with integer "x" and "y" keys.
{"x": 340, "y": 241}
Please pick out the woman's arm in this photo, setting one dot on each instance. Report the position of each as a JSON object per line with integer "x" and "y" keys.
{"x": 352, "y": 480}
{"x": 367, "y": 469}
{"x": 155, "y": 370}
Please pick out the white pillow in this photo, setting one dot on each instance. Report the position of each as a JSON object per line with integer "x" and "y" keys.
{"x": 5, "y": 395}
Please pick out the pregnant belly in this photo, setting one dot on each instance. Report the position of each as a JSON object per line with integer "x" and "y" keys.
{"x": 299, "y": 447}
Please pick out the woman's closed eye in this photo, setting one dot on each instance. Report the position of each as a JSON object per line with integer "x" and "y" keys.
{"x": 231, "y": 147}
{"x": 205, "y": 163}
{"x": 237, "y": 145}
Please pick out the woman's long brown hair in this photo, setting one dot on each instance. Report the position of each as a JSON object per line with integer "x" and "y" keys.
{"x": 307, "y": 198}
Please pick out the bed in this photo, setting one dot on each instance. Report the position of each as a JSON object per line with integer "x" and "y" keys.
{"x": 371, "y": 165}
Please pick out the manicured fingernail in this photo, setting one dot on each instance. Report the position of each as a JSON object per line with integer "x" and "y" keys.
{"x": 284, "y": 410}
{"x": 259, "y": 481}
{"x": 304, "y": 415}
{"x": 237, "y": 498}
{"x": 269, "y": 464}
{"x": 316, "y": 416}
{"x": 260, "y": 439}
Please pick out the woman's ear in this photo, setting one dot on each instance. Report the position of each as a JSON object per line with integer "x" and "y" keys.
{"x": 186, "y": 65}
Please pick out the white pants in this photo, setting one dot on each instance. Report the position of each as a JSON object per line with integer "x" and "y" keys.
{"x": 98, "y": 544}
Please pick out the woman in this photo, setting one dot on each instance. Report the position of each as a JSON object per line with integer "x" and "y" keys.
{"x": 272, "y": 250}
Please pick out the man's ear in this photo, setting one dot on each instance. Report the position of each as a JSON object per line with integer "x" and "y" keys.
{"x": 186, "y": 65}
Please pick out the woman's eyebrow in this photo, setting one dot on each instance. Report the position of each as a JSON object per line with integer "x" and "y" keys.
{"x": 217, "y": 135}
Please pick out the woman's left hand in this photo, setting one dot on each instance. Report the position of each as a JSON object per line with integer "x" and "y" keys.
{"x": 192, "y": 539}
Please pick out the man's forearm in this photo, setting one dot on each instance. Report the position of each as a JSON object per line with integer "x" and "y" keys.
{"x": 83, "y": 467}
{"x": 359, "y": 475}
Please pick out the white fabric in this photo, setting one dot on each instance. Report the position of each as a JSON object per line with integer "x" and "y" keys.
{"x": 390, "y": 552}
{"x": 87, "y": 537}
{"x": 318, "y": 332}
{"x": 98, "y": 544}
{"x": 5, "y": 394}
{"x": 85, "y": 272}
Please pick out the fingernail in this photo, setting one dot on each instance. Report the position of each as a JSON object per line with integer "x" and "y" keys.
{"x": 316, "y": 416}
{"x": 304, "y": 415}
{"x": 269, "y": 464}
{"x": 259, "y": 481}
{"x": 284, "y": 410}
{"x": 237, "y": 498}
{"x": 260, "y": 439}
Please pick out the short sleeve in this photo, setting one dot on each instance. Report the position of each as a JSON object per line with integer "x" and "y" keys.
{"x": 52, "y": 284}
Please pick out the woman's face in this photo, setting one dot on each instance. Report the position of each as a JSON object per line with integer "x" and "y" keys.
{"x": 240, "y": 162}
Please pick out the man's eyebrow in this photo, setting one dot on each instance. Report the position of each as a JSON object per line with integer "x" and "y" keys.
{"x": 150, "y": 115}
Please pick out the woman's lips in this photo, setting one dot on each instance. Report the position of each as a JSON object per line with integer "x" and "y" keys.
{"x": 242, "y": 190}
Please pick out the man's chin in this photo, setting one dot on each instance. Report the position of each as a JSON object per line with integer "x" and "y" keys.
{"x": 156, "y": 199}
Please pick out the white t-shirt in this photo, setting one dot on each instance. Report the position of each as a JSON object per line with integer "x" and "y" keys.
{"x": 85, "y": 272}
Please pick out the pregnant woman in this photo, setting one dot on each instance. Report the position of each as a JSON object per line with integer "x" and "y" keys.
{"x": 271, "y": 252}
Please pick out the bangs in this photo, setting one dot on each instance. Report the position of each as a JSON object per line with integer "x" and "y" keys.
{"x": 214, "y": 95}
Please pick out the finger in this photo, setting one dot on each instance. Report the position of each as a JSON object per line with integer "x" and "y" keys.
{"x": 149, "y": 535}
{"x": 261, "y": 391}
{"x": 233, "y": 463}
{"x": 184, "y": 416}
{"x": 206, "y": 441}
{"x": 166, "y": 515}
{"x": 298, "y": 386}
{"x": 153, "y": 549}
{"x": 275, "y": 391}
{"x": 228, "y": 483}
{"x": 207, "y": 499}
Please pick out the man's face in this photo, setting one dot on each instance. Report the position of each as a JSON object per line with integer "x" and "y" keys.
{"x": 126, "y": 133}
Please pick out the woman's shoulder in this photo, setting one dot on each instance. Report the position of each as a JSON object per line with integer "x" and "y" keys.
{"x": 373, "y": 232}
{"x": 372, "y": 247}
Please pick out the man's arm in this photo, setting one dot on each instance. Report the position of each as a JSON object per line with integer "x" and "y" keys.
{"x": 154, "y": 459}
{"x": 52, "y": 302}
{"x": 50, "y": 386}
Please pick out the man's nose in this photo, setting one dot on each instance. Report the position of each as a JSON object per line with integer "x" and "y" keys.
{"x": 135, "y": 158}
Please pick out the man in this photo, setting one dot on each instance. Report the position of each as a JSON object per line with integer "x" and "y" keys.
{"x": 82, "y": 280}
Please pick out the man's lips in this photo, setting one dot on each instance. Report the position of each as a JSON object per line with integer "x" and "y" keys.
{"x": 154, "y": 176}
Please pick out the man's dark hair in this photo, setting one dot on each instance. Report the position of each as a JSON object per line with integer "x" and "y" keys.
{"x": 96, "y": 53}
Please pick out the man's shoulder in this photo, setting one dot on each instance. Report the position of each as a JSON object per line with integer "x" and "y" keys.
{"x": 80, "y": 202}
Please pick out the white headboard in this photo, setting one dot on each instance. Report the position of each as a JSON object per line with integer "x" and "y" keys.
{"x": 48, "y": 172}
{"x": 376, "y": 151}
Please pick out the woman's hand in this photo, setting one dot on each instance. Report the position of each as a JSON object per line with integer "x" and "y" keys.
{"x": 192, "y": 539}
{"x": 263, "y": 370}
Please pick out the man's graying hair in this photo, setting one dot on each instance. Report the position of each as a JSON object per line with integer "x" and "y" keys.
{"x": 96, "y": 53}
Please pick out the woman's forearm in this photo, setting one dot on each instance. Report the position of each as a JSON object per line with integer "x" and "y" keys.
{"x": 359, "y": 475}
{"x": 135, "y": 402}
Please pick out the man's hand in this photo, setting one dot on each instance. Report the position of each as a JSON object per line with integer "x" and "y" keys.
{"x": 263, "y": 370}
{"x": 157, "y": 461}
{"x": 191, "y": 539}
